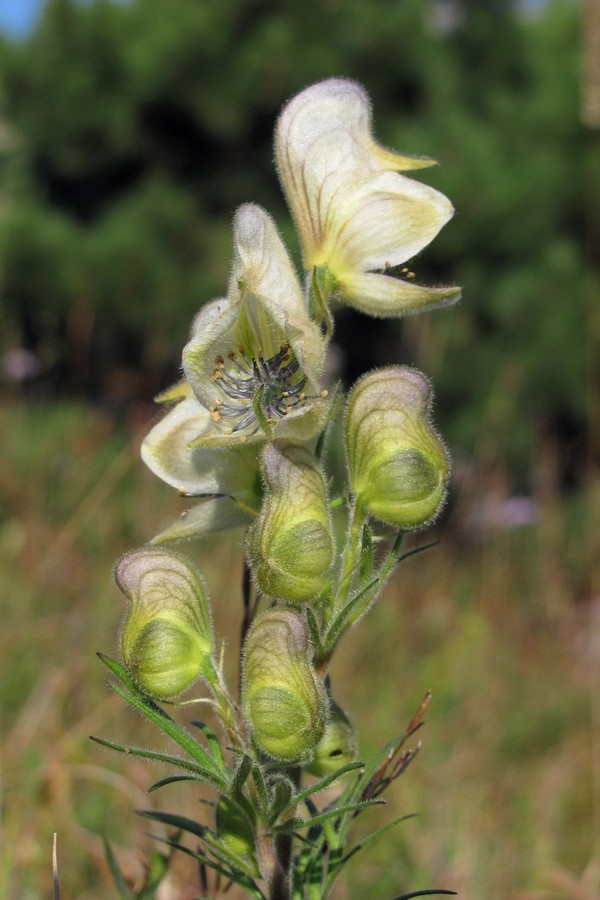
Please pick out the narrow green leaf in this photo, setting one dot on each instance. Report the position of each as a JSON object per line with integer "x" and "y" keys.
{"x": 120, "y": 883}
{"x": 218, "y": 848}
{"x": 159, "y": 866}
{"x": 325, "y": 782}
{"x": 120, "y": 672}
{"x": 367, "y": 559}
{"x": 156, "y": 715}
{"x": 241, "y": 775}
{"x": 414, "y": 552}
{"x": 156, "y": 756}
{"x": 173, "y": 778}
{"x": 314, "y": 630}
{"x": 293, "y": 824}
{"x": 261, "y": 787}
{"x": 355, "y": 607}
{"x": 370, "y": 838}
{"x": 213, "y": 742}
{"x": 245, "y": 881}
{"x": 428, "y": 893}
{"x": 282, "y": 798}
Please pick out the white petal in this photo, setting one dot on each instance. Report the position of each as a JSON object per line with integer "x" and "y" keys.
{"x": 166, "y": 452}
{"x": 391, "y": 220}
{"x": 383, "y": 295}
{"x": 261, "y": 263}
{"x": 210, "y": 515}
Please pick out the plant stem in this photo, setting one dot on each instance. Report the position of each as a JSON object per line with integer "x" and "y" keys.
{"x": 351, "y": 555}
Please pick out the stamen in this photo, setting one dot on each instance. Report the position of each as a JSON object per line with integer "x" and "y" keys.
{"x": 279, "y": 378}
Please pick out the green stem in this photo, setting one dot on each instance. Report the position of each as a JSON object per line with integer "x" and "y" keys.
{"x": 351, "y": 555}
{"x": 225, "y": 704}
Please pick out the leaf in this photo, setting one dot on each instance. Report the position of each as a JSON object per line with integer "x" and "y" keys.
{"x": 213, "y": 742}
{"x": 355, "y": 607}
{"x": 173, "y": 778}
{"x": 325, "y": 782}
{"x": 181, "y": 737}
{"x": 120, "y": 883}
{"x": 156, "y": 756}
{"x": 428, "y": 893}
{"x": 218, "y": 848}
{"x": 156, "y": 714}
{"x": 282, "y": 798}
{"x": 367, "y": 560}
{"x": 245, "y": 881}
{"x": 374, "y": 835}
{"x": 293, "y": 824}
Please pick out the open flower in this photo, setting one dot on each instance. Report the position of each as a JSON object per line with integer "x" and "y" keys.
{"x": 255, "y": 357}
{"x": 355, "y": 214}
{"x": 227, "y": 480}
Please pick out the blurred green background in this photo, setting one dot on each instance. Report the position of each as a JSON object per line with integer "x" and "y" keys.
{"x": 129, "y": 133}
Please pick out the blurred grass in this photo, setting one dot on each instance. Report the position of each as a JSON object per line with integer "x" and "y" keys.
{"x": 502, "y": 625}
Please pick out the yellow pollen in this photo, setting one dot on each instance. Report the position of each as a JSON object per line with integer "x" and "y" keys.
{"x": 410, "y": 275}
{"x": 302, "y": 396}
{"x": 285, "y": 393}
{"x": 243, "y": 439}
{"x": 219, "y": 402}
{"x": 324, "y": 394}
{"x": 215, "y": 416}
{"x": 229, "y": 431}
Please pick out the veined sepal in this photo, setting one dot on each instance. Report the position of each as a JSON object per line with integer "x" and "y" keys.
{"x": 399, "y": 467}
{"x": 290, "y": 547}
{"x": 166, "y": 637}
{"x": 284, "y": 702}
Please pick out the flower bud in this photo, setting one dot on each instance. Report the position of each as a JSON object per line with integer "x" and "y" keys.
{"x": 234, "y": 828}
{"x": 291, "y": 544}
{"x": 337, "y": 747}
{"x": 166, "y": 639}
{"x": 283, "y": 700}
{"x": 398, "y": 464}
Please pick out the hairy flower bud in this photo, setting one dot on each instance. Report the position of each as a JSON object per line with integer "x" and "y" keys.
{"x": 166, "y": 639}
{"x": 398, "y": 464}
{"x": 291, "y": 544}
{"x": 337, "y": 747}
{"x": 283, "y": 700}
{"x": 234, "y": 828}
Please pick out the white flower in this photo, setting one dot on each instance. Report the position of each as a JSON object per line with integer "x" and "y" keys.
{"x": 355, "y": 214}
{"x": 255, "y": 357}
{"x": 227, "y": 480}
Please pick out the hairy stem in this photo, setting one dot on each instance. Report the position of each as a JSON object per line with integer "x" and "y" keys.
{"x": 351, "y": 555}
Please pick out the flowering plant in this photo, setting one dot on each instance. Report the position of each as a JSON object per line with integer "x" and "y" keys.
{"x": 245, "y": 435}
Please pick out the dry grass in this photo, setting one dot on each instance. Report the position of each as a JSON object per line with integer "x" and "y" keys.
{"x": 503, "y": 626}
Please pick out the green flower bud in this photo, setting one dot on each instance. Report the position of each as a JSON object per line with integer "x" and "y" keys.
{"x": 337, "y": 747}
{"x": 291, "y": 544}
{"x": 166, "y": 639}
{"x": 283, "y": 700}
{"x": 398, "y": 464}
{"x": 234, "y": 828}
